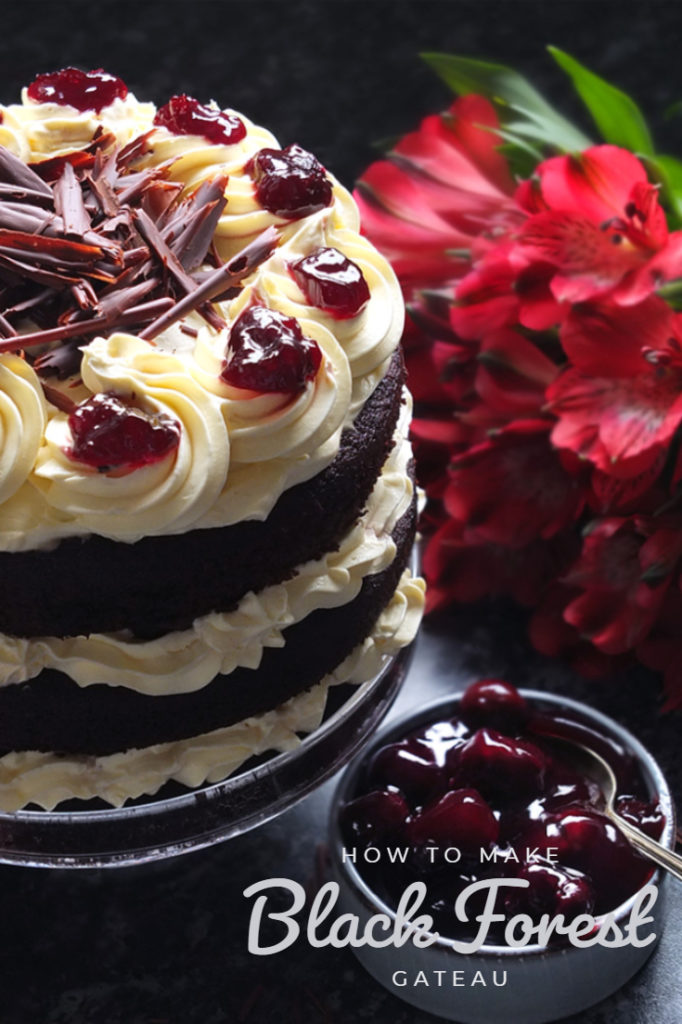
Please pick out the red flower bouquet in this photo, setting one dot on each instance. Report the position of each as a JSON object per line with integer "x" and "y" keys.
{"x": 542, "y": 274}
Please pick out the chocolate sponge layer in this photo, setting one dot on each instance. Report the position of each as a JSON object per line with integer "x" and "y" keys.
{"x": 161, "y": 584}
{"x": 52, "y": 713}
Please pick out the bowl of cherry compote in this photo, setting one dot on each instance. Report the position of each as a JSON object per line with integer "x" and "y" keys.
{"x": 475, "y": 799}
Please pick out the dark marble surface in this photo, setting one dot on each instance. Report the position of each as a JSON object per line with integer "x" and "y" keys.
{"x": 166, "y": 944}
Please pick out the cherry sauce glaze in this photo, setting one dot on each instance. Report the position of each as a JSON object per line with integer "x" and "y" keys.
{"x": 490, "y": 780}
{"x": 291, "y": 183}
{"x": 110, "y": 434}
{"x": 332, "y": 282}
{"x": 183, "y": 115}
{"x": 268, "y": 352}
{"x": 84, "y": 90}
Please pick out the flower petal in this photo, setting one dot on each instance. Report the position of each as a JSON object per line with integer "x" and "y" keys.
{"x": 540, "y": 496}
{"x": 597, "y": 183}
{"x": 513, "y": 374}
{"x": 609, "y": 420}
{"x": 588, "y": 261}
{"x": 603, "y": 339}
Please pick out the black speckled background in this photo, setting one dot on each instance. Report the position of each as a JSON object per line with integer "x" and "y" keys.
{"x": 167, "y": 944}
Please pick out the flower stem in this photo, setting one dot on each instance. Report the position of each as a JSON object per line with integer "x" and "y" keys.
{"x": 672, "y": 292}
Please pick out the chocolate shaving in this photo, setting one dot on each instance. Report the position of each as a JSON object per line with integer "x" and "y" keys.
{"x": 6, "y": 328}
{"x": 58, "y": 398}
{"x": 155, "y": 240}
{"x": 227, "y": 276}
{"x": 90, "y": 243}
{"x": 15, "y": 191}
{"x": 68, "y": 202}
{"x": 136, "y": 148}
{"x": 19, "y": 269}
{"x": 190, "y": 229}
{"x": 116, "y": 319}
{"x": 61, "y": 362}
{"x": 31, "y": 302}
{"x": 15, "y": 172}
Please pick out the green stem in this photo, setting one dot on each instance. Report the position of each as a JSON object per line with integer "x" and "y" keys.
{"x": 671, "y": 291}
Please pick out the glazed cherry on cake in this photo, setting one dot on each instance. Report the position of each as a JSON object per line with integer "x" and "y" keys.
{"x": 488, "y": 781}
{"x": 331, "y": 282}
{"x": 183, "y": 115}
{"x": 290, "y": 183}
{"x": 268, "y": 352}
{"x": 107, "y": 433}
{"x": 84, "y": 90}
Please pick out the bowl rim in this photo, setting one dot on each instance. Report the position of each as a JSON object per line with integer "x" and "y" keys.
{"x": 651, "y": 771}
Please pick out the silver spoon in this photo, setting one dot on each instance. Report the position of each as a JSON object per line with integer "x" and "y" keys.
{"x": 596, "y": 768}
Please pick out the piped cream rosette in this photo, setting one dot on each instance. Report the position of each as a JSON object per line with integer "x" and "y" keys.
{"x": 275, "y": 442}
{"x": 244, "y": 217}
{"x": 22, "y": 422}
{"x": 169, "y": 495}
{"x": 197, "y": 160}
{"x": 368, "y": 339}
{"x": 267, "y": 426}
{"x": 238, "y": 449}
{"x": 38, "y": 131}
{"x": 276, "y": 439}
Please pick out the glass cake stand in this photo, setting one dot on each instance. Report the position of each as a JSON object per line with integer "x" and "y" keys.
{"x": 158, "y": 828}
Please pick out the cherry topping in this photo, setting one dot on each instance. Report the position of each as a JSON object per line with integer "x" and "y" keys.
{"x": 461, "y": 818}
{"x": 108, "y": 433}
{"x": 268, "y": 352}
{"x": 84, "y": 90}
{"x": 494, "y": 703}
{"x": 647, "y": 817}
{"x": 552, "y": 890}
{"x": 411, "y": 766}
{"x": 332, "y": 282}
{"x": 183, "y": 115}
{"x": 590, "y": 842}
{"x": 564, "y": 787}
{"x": 373, "y": 817}
{"x": 290, "y": 182}
{"x": 495, "y": 763}
{"x": 510, "y": 807}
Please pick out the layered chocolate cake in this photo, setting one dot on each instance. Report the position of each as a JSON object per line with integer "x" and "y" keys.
{"x": 206, "y": 492}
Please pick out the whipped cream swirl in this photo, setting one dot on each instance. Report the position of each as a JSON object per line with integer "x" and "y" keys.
{"x": 36, "y": 131}
{"x": 169, "y": 494}
{"x": 23, "y": 414}
{"x": 239, "y": 450}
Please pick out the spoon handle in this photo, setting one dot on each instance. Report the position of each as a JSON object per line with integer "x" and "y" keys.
{"x": 672, "y": 862}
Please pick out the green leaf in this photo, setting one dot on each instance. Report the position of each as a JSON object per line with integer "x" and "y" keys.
{"x": 514, "y": 98}
{"x": 521, "y": 156}
{"x": 615, "y": 114}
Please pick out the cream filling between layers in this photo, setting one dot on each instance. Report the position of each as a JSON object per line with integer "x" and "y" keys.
{"x": 47, "y": 779}
{"x": 217, "y": 644}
